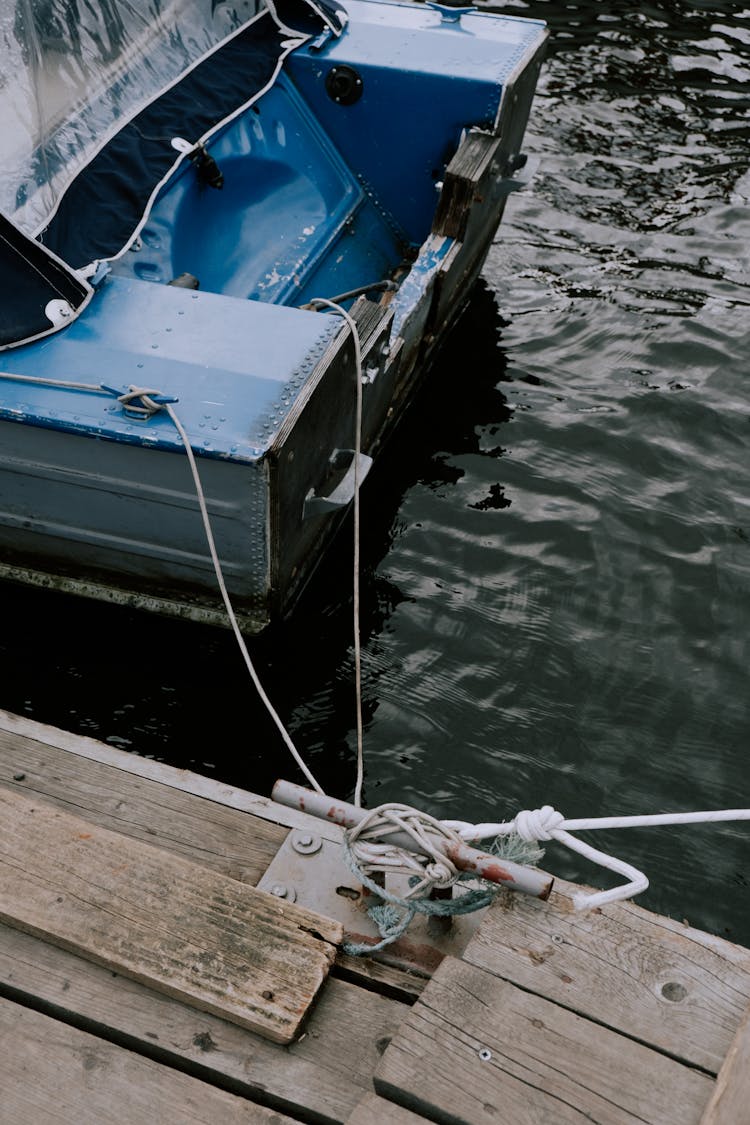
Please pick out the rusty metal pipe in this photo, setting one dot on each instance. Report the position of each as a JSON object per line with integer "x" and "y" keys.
{"x": 466, "y": 858}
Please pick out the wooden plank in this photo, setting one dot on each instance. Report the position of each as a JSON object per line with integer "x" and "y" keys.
{"x": 324, "y": 1073}
{"x": 650, "y": 977}
{"x": 403, "y": 984}
{"x": 183, "y": 780}
{"x": 53, "y": 1074}
{"x": 211, "y": 823}
{"x": 189, "y": 932}
{"x": 239, "y": 845}
{"x": 730, "y": 1100}
{"x": 475, "y": 1050}
{"x": 373, "y": 1110}
{"x": 476, "y": 162}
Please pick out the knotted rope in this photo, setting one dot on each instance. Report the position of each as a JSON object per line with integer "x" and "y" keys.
{"x": 142, "y": 402}
{"x": 548, "y": 824}
{"x": 368, "y": 854}
{"x": 372, "y": 854}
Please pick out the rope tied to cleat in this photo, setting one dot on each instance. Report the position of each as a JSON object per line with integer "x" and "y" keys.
{"x": 437, "y": 860}
{"x": 376, "y": 842}
{"x": 141, "y": 402}
{"x": 428, "y": 865}
{"x": 396, "y": 839}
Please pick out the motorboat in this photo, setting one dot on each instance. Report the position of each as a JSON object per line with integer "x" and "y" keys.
{"x": 245, "y": 232}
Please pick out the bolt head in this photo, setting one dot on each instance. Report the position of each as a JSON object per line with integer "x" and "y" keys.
{"x": 306, "y": 843}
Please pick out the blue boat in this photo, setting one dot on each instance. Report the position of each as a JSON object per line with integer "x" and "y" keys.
{"x": 237, "y": 235}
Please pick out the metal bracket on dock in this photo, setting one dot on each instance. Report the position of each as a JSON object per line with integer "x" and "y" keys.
{"x": 487, "y": 866}
{"x": 310, "y": 870}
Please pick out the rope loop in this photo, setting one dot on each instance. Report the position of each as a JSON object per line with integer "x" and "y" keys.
{"x": 548, "y": 824}
{"x": 440, "y": 875}
{"x": 393, "y": 913}
{"x": 371, "y": 853}
{"x": 143, "y": 402}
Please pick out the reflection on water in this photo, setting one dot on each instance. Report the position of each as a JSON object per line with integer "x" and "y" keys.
{"x": 556, "y": 548}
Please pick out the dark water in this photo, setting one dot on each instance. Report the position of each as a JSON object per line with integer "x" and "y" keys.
{"x": 556, "y": 551}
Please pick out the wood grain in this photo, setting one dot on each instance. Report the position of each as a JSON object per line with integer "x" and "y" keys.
{"x": 466, "y": 179}
{"x": 403, "y": 984}
{"x": 730, "y": 1100}
{"x": 53, "y": 1074}
{"x": 475, "y": 1050}
{"x": 325, "y": 1072}
{"x": 373, "y": 1110}
{"x": 650, "y": 977}
{"x": 226, "y": 840}
{"x": 186, "y": 931}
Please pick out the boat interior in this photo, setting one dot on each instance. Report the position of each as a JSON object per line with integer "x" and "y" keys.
{"x": 326, "y": 185}
{"x": 274, "y": 230}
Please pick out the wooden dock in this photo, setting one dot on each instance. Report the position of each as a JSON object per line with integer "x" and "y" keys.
{"x": 144, "y": 976}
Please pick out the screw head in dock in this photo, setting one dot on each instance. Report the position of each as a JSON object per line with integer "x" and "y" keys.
{"x": 485, "y": 1054}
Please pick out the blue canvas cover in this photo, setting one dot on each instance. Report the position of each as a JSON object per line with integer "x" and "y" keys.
{"x": 97, "y": 95}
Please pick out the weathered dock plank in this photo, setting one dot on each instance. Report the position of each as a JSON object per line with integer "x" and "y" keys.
{"x": 186, "y": 781}
{"x": 214, "y": 824}
{"x": 656, "y": 980}
{"x": 401, "y": 983}
{"x": 238, "y": 844}
{"x": 475, "y": 1049}
{"x": 53, "y": 1074}
{"x": 730, "y": 1101}
{"x": 167, "y": 957}
{"x": 174, "y": 925}
{"x": 325, "y": 1072}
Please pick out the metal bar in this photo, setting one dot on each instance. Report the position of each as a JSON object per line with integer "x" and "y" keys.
{"x": 512, "y": 875}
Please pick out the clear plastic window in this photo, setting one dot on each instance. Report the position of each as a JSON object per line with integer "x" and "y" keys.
{"x": 73, "y": 71}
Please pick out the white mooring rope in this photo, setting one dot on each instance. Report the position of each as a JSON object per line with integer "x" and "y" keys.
{"x": 128, "y": 400}
{"x": 147, "y": 401}
{"x": 285, "y": 735}
{"x": 548, "y": 824}
{"x": 358, "y": 374}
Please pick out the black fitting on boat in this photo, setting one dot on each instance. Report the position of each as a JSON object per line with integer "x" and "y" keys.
{"x": 344, "y": 85}
{"x": 518, "y": 161}
{"x": 209, "y": 172}
{"x": 318, "y": 303}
